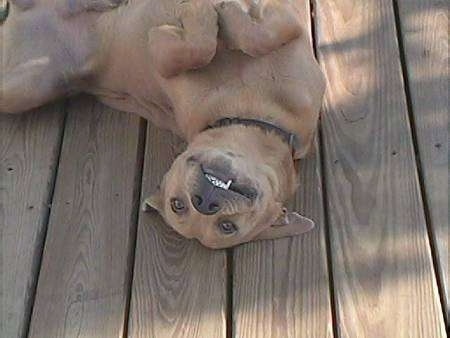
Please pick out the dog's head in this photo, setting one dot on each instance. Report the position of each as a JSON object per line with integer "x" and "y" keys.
{"x": 228, "y": 187}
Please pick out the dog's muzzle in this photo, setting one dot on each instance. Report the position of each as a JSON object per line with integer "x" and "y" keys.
{"x": 208, "y": 196}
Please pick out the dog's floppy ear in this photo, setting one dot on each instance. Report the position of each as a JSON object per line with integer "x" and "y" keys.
{"x": 153, "y": 202}
{"x": 288, "y": 224}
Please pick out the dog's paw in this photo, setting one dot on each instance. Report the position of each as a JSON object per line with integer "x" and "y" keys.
{"x": 191, "y": 45}
{"x": 261, "y": 29}
{"x": 172, "y": 54}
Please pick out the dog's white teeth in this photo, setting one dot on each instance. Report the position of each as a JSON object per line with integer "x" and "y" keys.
{"x": 217, "y": 182}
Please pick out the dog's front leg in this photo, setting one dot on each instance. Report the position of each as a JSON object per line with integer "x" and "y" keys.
{"x": 264, "y": 27}
{"x": 189, "y": 45}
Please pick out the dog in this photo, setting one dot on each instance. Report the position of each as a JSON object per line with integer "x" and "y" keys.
{"x": 236, "y": 79}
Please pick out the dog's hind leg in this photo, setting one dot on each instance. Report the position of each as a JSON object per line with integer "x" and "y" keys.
{"x": 189, "y": 45}
{"x": 42, "y": 58}
{"x": 27, "y": 86}
{"x": 264, "y": 27}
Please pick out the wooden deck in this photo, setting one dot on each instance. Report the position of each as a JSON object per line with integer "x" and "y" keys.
{"x": 79, "y": 259}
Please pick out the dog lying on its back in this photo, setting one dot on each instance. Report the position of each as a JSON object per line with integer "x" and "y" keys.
{"x": 237, "y": 80}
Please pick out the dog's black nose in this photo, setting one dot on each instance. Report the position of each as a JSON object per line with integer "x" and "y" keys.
{"x": 205, "y": 206}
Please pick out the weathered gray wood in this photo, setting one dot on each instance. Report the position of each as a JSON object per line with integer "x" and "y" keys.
{"x": 281, "y": 287}
{"x": 84, "y": 279}
{"x": 179, "y": 286}
{"x": 424, "y": 25}
{"x": 384, "y": 283}
{"x": 29, "y": 148}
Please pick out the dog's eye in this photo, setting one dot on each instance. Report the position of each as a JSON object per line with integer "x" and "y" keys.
{"x": 177, "y": 205}
{"x": 227, "y": 227}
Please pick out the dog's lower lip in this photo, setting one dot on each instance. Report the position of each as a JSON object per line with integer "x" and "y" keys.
{"x": 219, "y": 175}
{"x": 245, "y": 191}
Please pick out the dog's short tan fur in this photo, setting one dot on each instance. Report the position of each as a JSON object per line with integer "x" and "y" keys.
{"x": 183, "y": 65}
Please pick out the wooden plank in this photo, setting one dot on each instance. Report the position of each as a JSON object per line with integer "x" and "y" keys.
{"x": 384, "y": 283}
{"x": 85, "y": 274}
{"x": 424, "y": 25}
{"x": 29, "y": 149}
{"x": 179, "y": 286}
{"x": 281, "y": 287}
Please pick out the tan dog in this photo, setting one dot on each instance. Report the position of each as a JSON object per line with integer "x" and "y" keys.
{"x": 184, "y": 65}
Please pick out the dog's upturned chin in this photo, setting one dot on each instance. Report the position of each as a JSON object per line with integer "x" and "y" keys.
{"x": 184, "y": 66}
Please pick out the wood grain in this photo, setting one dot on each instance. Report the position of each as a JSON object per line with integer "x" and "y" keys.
{"x": 424, "y": 26}
{"x": 384, "y": 282}
{"x": 179, "y": 286}
{"x": 29, "y": 148}
{"x": 85, "y": 274}
{"x": 281, "y": 287}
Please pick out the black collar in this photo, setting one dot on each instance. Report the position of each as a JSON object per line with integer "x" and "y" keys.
{"x": 290, "y": 138}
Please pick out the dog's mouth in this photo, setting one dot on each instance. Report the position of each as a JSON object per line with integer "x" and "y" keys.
{"x": 229, "y": 182}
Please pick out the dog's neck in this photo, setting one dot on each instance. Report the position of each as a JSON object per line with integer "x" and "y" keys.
{"x": 290, "y": 138}
{"x": 193, "y": 115}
